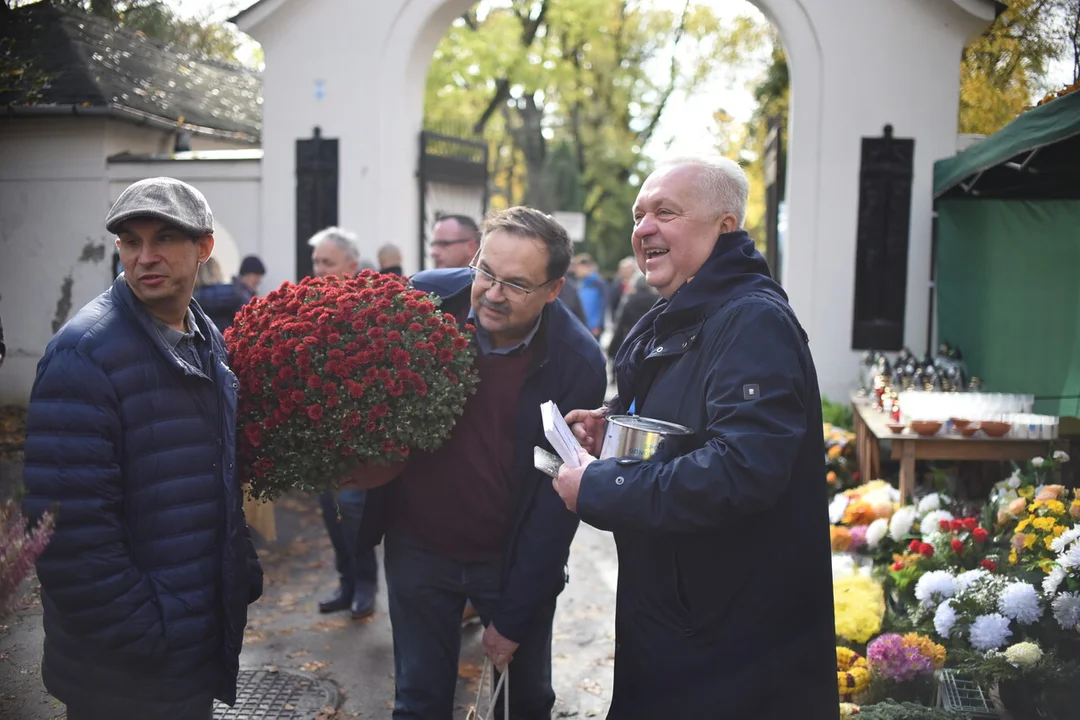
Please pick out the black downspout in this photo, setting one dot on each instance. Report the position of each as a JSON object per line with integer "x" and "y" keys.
{"x": 421, "y": 258}
{"x": 933, "y": 278}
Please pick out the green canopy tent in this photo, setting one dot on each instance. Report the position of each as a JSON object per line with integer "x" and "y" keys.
{"x": 1007, "y": 255}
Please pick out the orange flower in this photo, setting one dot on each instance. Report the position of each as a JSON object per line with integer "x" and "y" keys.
{"x": 859, "y": 512}
{"x": 831, "y": 477}
{"x": 1050, "y": 492}
{"x": 841, "y": 538}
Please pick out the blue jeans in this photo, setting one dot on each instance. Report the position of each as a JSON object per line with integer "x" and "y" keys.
{"x": 427, "y": 593}
{"x": 356, "y": 567}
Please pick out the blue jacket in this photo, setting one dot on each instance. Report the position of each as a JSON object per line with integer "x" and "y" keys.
{"x": 593, "y": 292}
{"x": 146, "y": 582}
{"x": 725, "y": 585}
{"x": 567, "y": 367}
{"x": 221, "y": 302}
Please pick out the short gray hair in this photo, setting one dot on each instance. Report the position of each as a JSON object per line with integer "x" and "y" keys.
{"x": 725, "y": 187}
{"x": 344, "y": 239}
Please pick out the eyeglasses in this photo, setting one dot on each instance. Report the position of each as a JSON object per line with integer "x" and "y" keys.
{"x": 440, "y": 244}
{"x": 509, "y": 289}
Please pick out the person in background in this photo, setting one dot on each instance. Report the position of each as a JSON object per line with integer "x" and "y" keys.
{"x": 571, "y": 299}
{"x": 335, "y": 251}
{"x": 455, "y": 240}
{"x": 593, "y": 293}
{"x": 249, "y": 278}
{"x": 474, "y": 520}
{"x": 704, "y": 628}
{"x": 130, "y": 440}
{"x": 218, "y": 299}
{"x": 635, "y": 303}
{"x": 622, "y": 283}
{"x": 390, "y": 259}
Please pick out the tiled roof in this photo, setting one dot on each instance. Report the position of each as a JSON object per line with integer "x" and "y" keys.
{"x": 99, "y": 65}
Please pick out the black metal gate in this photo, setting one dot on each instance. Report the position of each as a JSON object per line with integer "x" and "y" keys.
{"x": 450, "y": 163}
{"x": 774, "y": 192}
{"x": 316, "y": 193}
{"x": 881, "y": 255}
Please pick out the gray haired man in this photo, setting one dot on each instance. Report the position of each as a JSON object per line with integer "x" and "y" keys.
{"x": 336, "y": 252}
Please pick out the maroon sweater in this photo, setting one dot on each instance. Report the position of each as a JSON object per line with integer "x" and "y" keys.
{"x": 457, "y": 500}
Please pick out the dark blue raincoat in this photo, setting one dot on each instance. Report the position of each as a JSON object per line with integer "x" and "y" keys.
{"x": 725, "y": 593}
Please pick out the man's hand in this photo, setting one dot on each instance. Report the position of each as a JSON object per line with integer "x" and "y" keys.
{"x": 499, "y": 650}
{"x": 568, "y": 482}
{"x": 588, "y": 427}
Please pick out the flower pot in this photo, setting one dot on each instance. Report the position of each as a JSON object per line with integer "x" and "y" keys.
{"x": 367, "y": 476}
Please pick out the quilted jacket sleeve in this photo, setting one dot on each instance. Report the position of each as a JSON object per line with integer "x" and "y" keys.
{"x": 72, "y": 468}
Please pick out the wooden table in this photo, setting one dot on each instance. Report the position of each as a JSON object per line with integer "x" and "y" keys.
{"x": 872, "y": 426}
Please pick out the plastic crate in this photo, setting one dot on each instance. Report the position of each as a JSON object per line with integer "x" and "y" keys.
{"x": 962, "y": 695}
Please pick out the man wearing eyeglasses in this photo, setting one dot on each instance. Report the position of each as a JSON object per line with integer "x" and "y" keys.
{"x": 475, "y": 520}
{"x": 454, "y": 241}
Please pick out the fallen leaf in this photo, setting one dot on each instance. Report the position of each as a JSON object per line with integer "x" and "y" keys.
{"x": 313, "y": 666}
{"x": 297, "y": 653}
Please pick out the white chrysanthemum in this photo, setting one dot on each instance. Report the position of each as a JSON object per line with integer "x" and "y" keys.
{"x": 1020, "y": 601}
{"x": 843, "y": 566}
{"x": 990, "y": 631}
{"x": 876, "y": 532}
{"x": 1024, "y": 654}
{"x": 933, "y": 501}
{"x": 1061, "y": 456}
{"x": 1037, "y": 461}
{"x": 935, "y": 586}
{"x": 944, "y": 618}
{"x": 966, "y": 579}
{"x": 1052, "y": 581}
{"x": 901, "y": 522}
{"x": 1070, "y": 559}
{"x": 837, "y": 507}
{"x": 1066, "y": 538}
{"x": 1066, "y": 608}
{"x": 1014, "y": 479}
{"x": 932, "y": 519}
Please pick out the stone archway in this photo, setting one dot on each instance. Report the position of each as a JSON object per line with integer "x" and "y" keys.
{"x": 855, "y": 66}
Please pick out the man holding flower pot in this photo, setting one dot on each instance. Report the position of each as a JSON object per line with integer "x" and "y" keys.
{"x": 130, "y": 440}
{"x": 724, "y": 606}
{"x": 474, "y": 520}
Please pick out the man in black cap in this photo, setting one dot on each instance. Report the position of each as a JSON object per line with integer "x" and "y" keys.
{"x": 130, "y": 438}
{"x": 251, "y": 274}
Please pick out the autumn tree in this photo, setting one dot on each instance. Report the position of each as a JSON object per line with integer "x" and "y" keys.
{"x": 154, "y": 18}
{"x": 568, "y": 94}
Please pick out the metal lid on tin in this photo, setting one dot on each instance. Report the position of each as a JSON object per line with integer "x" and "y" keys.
{"x": 636, "y": 422}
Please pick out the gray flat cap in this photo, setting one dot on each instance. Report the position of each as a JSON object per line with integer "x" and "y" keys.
{"x": 163, "y": 198}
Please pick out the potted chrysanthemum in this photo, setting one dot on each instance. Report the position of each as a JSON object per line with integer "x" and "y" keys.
{"x": 340, "y": 379}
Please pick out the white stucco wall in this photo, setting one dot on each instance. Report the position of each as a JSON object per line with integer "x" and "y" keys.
{"x": 855, "y": 65}
{"x": 55, "y": 255}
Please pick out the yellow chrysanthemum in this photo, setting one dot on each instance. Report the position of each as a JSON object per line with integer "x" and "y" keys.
{"x": 1044, "y": 524}
{"x": 859, "y": 606}
{"x": 1056, "y": 507}
{"x": 1029, "y": 541}
{"x": 1013, "y": 558}
{"x": 1058, "y": 530}
{"x": 1023, "y": 524}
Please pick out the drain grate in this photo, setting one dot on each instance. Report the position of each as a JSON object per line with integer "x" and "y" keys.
{"x": 277, "y": 695}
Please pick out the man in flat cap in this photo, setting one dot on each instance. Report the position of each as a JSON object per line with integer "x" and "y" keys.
{"x": 130, "y": 438}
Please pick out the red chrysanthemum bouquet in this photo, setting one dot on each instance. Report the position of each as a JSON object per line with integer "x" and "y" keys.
{"x": 342, "y": 377}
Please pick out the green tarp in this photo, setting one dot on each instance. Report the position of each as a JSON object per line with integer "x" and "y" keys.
{"x": 1036, "y": 128}
{"x": 1008, "y": 282}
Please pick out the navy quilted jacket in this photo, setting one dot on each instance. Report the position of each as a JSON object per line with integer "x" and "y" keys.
{"x": 146, "y": 582}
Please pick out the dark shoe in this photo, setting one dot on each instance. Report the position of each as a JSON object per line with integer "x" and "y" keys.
{"x": 363, "y": 603}
{"x": 338, "y": 601}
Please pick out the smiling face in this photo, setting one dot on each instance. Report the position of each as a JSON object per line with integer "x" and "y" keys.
{"x": 508, "y": 315}
{"x": 161, "y": 263}
{"x": 675, "y": 228}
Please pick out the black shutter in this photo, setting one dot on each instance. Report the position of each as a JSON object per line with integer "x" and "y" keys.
{"x": 882, "y": 242}
{"x": 774, "y": 193}
{"x": 316, "y": 194}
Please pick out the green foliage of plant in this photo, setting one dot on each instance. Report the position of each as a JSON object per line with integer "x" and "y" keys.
{"x": 838, "y": 414}
{"x": 890, "y": 710}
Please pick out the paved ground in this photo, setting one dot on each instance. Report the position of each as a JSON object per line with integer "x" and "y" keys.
{"x": 286, "y": 632}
